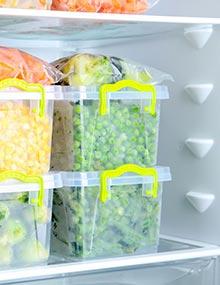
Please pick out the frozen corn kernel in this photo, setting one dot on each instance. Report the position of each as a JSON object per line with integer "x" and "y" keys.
{"x": 24, "y": 139}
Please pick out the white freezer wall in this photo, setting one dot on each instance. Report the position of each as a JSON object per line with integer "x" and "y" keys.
{"x": 197, "y": 8}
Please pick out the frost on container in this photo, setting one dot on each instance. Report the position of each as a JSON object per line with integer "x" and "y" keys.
{"x": 25, "y": 131}
{"x": 24, "y": 224}
{"x": 128, "y": 223}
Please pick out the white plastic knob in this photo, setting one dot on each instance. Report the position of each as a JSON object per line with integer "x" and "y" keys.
{"x": 199, "y": 147}
{"x": 198, "y": 36}
{"x": 199, "y": 92}
{"x": 200, "y": 201}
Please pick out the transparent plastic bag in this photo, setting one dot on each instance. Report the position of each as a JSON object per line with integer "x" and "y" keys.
{"x": 104, "y": 6}
{"x": 85, "y": 69}
{"x": 26, "y": 4}
{"x": 18, "y": 64}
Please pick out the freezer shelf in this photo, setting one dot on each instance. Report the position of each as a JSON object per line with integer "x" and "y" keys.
{"x": 171, "y": 251}
{"x": 196, "y": 272}
{"x": 66, "y": 26}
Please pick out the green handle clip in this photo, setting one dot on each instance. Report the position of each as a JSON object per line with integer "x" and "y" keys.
{"x": 29, "y": 87}
{"x": 6, "y": 175}
{"x": 142, "y": 171}
{"x": 106, "y": 88}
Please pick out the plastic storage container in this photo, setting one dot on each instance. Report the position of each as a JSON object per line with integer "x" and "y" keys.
{"x": 104, "y": 6}
{"x": 25, "y": 127}
{"x": 25, "y": 218}
{"x": 105, "y": 215}
{"x": 102, "y": 129}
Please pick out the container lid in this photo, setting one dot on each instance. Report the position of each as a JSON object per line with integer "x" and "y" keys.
{"x": 84, "y": 93}
{"x": 51, "y": 181}
{"x": 87, "y": 179}
{"x": 92, "y": 93}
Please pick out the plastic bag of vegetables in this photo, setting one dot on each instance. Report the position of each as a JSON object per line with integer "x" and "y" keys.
{"x": 85, "y": 69}
{"x": 26, "y": 4}
{"x": 104, "y": 6}
{"x": 84, "y": 139}
{"x": 18, "y": 64}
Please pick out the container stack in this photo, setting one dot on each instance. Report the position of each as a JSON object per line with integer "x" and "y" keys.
{"x": 26, "y": 187}
{"x": 105, "y": 138}
{"x": 102, "y": 118}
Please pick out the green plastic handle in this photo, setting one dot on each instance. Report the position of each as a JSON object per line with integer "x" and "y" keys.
{"x": 29, "y": 87}
{"x": 106, "y": 88}
{"x": 126, "y": 168}
{"x": 6, "y": 175}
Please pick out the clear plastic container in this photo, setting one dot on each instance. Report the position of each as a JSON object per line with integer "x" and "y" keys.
{"x": 25, "y": 218}
{"x": 97, "y": 130}
{"x": 104, "y": 6}
{"x": 25, "y": 127}
{"x": 105, "y": 215}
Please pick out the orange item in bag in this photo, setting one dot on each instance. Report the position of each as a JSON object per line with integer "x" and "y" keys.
{"x": 102, "y": 6}
{"x": 18, "y": 64}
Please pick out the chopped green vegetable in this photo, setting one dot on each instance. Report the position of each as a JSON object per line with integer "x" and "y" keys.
{"x": 88, "y": 228}
{"x": 22, "y": 223}
{"x": 4, "y": 212}
{"x": 32, "y": 251}
{"x": 83, "y": 69}
{"x": 6, "y": 255}
{"x": 15, "y": 231}
{"x": 125, "y": 135}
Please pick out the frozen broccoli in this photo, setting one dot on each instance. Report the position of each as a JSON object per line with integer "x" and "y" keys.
{"x": 32, "y": 251}
{"x": 23, "y": 197}
{"x": 42, "y": 214}
{"x": 4, "y": 212}
{"x": 87, "y": 69}
{"x": 39, "y": 214}
{"x": 15, "y": 231}
{"x": 6, "y": 254}
{"x": 91, "y": 228}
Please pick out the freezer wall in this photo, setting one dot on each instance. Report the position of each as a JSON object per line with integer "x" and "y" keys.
{"x": 197, "y": 8}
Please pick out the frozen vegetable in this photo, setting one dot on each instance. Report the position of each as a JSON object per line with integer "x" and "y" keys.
{"x": 26, "y": 4}
{"x": 18, "y": 64}
{"x": 15, "y": 231}
{"x": 104, "y": 6}
{"x": 6, "y": 255}
{"x": 4, "y": 212}
{"x": 86, "y": 227}
{"x": 19, "y": 230}
{"x": 88, "y": 69}
{"x": 32, "y": 251}
{"x": 25, "y": 139}
{"x": 127, "y": 135}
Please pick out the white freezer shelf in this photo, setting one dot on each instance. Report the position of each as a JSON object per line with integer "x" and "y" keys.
{"x": 86, "y": 27}
{"x": 171, "y": 250}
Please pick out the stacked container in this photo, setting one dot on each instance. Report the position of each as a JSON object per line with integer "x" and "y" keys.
{"x": 26, "y": 190}
{"x": 25, "y": 218}
{"x": 106, "y": 138}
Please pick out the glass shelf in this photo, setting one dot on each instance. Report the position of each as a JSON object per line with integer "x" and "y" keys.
{"x": 171, "y": 251}
{"x": 68, "y": 26}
